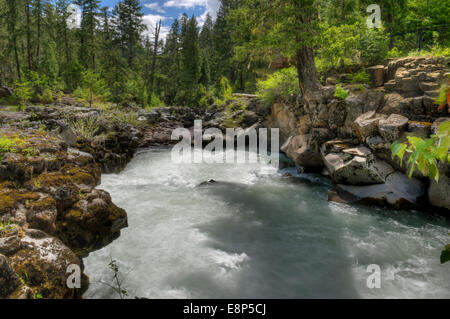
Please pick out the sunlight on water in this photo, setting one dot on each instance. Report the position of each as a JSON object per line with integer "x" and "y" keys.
{"x": 259, "y": 236}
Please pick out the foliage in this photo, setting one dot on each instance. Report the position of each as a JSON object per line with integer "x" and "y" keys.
{"x": 23, "y": 93}
{"x": 443, "y": 99}
{"x": 425, "y": 153}
{"x": 94, "y": 88}
{"x": 373, "y": 45}
{"x": 336, "y": 49}
{"x": 281, "y": 86}
{"x": 341, "y": 93}
{"x": 85, "y": 127}
{"x": 360, "y": 77}
{"x": 6, "y": 227}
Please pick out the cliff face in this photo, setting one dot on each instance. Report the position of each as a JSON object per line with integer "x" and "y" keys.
{"x": 351, "y": 139}
{"x": 52, "y": 214}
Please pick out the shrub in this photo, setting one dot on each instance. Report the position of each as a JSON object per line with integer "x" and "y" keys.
{"x": 94, "y": 88}
{"x": 360, "y": 77}
{"x": 23, "y": 93}
{"x": 373, "y": 45}
{"x": 46, "y": 97}
{"x": 341, "y": 93}
{"x": 85, "y": 127}
{"x": 281, "y": 86}
{"x": 336, "y": 49}
{"x": 424, "y": 153}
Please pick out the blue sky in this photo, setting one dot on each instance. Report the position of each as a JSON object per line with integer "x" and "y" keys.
{"x": 168, "y": 10}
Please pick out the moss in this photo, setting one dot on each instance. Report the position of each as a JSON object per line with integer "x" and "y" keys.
{"x": 10, "y": 198}
{"x": 45, "y": 203}
{"x": 74, "y": 213}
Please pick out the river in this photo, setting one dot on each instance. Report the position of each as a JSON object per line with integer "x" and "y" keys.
{"x": 267, "y": 237}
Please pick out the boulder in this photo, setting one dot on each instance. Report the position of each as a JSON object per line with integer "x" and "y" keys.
{"x": 366, "y": 125}
{"x": 42, "y": 263}
{"x": 350, "y": 169}
{"x": 439, "y": 192}
{"x": 9, "y": 281}
{"x": 398, "y": 192}
{"x": 392, "y": 127}
{"x": 303, "y": 151}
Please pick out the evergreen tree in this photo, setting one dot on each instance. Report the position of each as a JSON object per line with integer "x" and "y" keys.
{"x": 127, "y": 19}
{"x": 190, "y": 62}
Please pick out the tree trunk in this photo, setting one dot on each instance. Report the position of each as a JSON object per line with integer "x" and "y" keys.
{"x": 38, "y": 49}
{"x": 155, "y": 52}
{"x": 308, "y": 75}
{"x": 28, "y": 31}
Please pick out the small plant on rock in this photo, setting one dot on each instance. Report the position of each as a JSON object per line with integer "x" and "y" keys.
{"x": 6, "y": 227}
{"x": 341, "y": 93}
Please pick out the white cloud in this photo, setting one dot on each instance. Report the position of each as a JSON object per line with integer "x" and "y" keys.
{"x": 74, "y": 20}
{"x": 155, "y": 7}
{"x": 150, "y": 20}
{"x": 188, "y": 4}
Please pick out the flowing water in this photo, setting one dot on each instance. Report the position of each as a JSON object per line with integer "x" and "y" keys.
{"x": 265, "y": 237}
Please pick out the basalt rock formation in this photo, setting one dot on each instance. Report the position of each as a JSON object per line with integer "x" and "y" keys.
{"x": 351, "y": 138}
{"x": 51, "y": 214}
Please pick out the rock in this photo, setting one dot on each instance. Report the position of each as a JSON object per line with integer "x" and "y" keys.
{"x": 42, "y": 263}
{"x": 356, "y": 167}
{"x": 366, "y": 125}
{"x": 303, "y": 151}
{"x": 5, "y": 92}
{"x": 281, "y": 117}
{"x": 249, "y": 118}
{"x": 392, "y": 127}
{"x": 91, "y": 223}
{"x": 9, "y": 281}
{"x": 439, "y": 192}
{"x": 437, "y": 123}
{"x": 331, "y": 81}
{"x": 419, "y": 129}
{"x": 398, "y": 192}
{"x": 376, "y": 75}
{"x": 397, "y": 104}
{"x": 68, "y": 136}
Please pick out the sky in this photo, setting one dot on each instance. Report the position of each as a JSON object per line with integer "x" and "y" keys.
{"x": 168, "y": 10}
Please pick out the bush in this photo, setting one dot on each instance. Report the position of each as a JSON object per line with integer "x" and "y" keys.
{"x": 22, "y": 93}
{"x": 94, "y": 88}
{"x": 338, "y": 44}
{"x": 341, "y": 93}
{"x": 281, "y": 86}
{"x": 360, "y": 77}
{"x": 373, "y": 45}
{"x": 85, "y": 127}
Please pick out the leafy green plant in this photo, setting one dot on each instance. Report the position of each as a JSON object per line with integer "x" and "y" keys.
{"x": 425, "y": 153}
{"x": 281, "y": 86}
{"x": 373, "y": 45}
{"x": 341, "y": 93}
{"x": 360, "y": 77}
{"x": 93, "y": 88}
{"x": 443, "y": 99}
{"x": 6, "y": 228}
{"x": 23, "y": 93}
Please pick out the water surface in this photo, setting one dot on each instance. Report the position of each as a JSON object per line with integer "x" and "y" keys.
{"x": 267, "y": 237}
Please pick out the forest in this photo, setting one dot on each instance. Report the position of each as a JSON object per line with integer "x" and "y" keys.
{"x": 111, "y": 55}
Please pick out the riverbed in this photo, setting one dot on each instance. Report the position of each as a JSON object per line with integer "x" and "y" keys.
{"x": 261, "y": 235}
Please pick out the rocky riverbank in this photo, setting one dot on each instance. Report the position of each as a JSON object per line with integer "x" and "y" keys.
{"x": 51, "y": 160}
{"x": 350, "y": 139}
